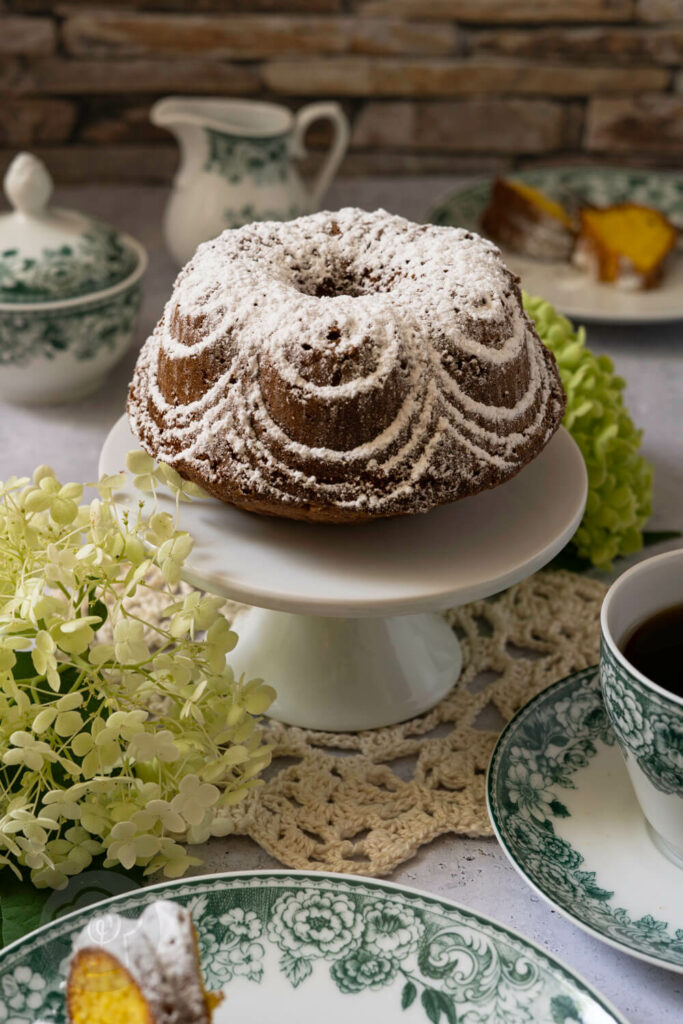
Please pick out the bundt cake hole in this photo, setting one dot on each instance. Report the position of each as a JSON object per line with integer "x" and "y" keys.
{"x": 344, "y": 279}
{"x": 329, "y": 288}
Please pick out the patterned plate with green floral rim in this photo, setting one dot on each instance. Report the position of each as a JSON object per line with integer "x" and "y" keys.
{"x": 570, "y": 290}
{"x": 296, "y": 946}
{"x": 563, "y": 808}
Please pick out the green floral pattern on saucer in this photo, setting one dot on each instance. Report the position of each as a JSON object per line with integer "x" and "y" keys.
{"x": 647, "y": 726}
{"x": 261, "y": 161}
{"x": 99, "y": 260}
{"x": 83, "y": 331}
{"x": 537, "y": 755}
{"x": 314, "y": 940}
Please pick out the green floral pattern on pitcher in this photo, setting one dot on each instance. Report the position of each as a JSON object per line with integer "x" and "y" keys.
{"x": 261, "y": 161}
{"x": 353, "y": 936}
{"x": 553, "y": 737}
{"x": 248, "y": 213}
{"x": 82, "y": 331}
{"x": 644, "y": 723}
{"x": 99, "y": 260}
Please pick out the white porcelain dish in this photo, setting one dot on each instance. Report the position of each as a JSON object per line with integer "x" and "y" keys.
{"x": 297, "y": 946}
{"x": 571, "y": 291}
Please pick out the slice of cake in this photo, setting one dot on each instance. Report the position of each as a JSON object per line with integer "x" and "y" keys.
{"x": 626, "y": 244}
{"x": 526, "y": 220}
{"x": 144, "y": 971}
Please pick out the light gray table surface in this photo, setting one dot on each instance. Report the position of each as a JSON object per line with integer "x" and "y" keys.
{"x": 473, "y": 872}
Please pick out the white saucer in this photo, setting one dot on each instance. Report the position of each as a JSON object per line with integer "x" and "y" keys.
{"x": 563, "y": 808}
{"x": 348, "y": 644}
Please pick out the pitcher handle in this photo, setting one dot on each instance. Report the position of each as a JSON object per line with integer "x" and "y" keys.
{"x": 322, "y": 112}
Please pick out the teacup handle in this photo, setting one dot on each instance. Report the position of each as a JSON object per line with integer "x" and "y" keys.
{"x": 304, "y": 118}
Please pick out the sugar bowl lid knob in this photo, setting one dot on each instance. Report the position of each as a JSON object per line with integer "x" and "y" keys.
{"x": 28, "y": 185}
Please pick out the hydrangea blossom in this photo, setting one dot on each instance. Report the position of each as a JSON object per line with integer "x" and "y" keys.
{"x": 129, "y": 749}
{"x": 619, "y": 477}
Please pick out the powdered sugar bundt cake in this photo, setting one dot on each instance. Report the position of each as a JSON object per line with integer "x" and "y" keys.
{"x": 345, "y": 366}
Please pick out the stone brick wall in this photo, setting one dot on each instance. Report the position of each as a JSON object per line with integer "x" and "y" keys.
{"x": 429, "y": 85}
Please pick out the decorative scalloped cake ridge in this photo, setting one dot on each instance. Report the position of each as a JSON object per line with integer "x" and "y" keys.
{"x": 343, "y": 366}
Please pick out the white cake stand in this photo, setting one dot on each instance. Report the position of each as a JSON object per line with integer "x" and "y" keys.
{"x": 319, "y": 630}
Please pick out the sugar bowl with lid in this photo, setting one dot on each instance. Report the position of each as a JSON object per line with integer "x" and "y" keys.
{"x": 70, "y": 289}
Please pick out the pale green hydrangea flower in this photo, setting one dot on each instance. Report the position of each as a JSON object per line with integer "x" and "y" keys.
{"x": 129, "y": 749}
{"x": 619, "y": 477}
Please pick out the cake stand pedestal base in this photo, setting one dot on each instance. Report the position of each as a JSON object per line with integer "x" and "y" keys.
{"x": 344, "y": 675}
{"x": 341, "y": 618}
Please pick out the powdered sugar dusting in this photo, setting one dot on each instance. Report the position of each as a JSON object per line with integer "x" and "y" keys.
{"x": 159, "y": 953}
{"x": 345, "y": 361}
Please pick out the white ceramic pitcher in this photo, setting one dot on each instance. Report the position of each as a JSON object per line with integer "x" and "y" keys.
{"x": 236, "y": 164}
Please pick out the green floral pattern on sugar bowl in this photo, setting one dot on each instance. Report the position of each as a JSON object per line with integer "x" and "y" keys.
{"x": 69, "y": 292}
{"x": 84, "y": 331}
{"x": 98, "y": 260}
{"x": 644, "y": 723}
{"x": 551, "y": 739}
{"x": 264, "y": 161}
{"x": 409, "y": 954}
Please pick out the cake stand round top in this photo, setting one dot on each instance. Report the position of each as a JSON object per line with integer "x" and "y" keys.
{"x": 457, "y": 553}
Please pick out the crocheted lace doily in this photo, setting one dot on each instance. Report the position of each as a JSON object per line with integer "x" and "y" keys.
{"x": 362, "y": 803}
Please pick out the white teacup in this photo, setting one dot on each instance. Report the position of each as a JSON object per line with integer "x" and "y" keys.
{"x": 647, "y": 719}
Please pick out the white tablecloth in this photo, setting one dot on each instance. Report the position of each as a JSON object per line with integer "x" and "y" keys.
{"x": 473, "y": 872}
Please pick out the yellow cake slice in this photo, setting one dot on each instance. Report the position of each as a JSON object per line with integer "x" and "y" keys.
{"x": 144, "y": 971}
{"x": 525, "y": 220}
{"x": 626, "y": 244}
